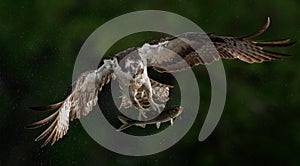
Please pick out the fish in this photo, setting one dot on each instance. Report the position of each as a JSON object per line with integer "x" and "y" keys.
{"x": 166, "y": 115}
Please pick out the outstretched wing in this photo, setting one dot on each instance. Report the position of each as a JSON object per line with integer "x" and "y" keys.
{"x": 81, "y": 101}
{"x": 192, "y": 48}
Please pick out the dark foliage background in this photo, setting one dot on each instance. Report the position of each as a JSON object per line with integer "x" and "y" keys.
{"x": 39, "y": 44}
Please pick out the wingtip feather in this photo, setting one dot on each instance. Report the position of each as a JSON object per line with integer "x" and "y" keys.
{"x": 277, "y": 54}
{"x": 276, "y": 45}
{"x": 41, "y": 122}
{"x": 47, "y": 107}
{"x": 259, "y": 32}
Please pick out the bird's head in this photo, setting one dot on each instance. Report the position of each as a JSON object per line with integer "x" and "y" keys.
{"x": 134, "y": 66}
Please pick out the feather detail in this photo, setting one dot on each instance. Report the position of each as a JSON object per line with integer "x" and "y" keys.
{"x": 47, "y": 107}
{"x": 46, "y": 132}
{"x": 169, "y": 54}
{"x": 185, "y": 50}
{"x": 259, "y": 32}
{"x": 82, "y": 99}
{"x": 42, "y": 122}
{"x": 274, "y": 44}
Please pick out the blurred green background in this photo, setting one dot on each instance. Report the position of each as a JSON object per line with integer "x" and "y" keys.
{"x": 39, "y": 44}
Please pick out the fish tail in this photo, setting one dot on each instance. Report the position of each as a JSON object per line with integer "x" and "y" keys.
{"x": 126, "y": 123}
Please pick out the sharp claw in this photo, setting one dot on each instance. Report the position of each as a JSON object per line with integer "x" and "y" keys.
{"x": 120, "y": 107}
{"x": 172, "y": 122}
{"x": 159, "y": 108}
{"x": 142, "y": 114}
{"x": 125, "y": 104}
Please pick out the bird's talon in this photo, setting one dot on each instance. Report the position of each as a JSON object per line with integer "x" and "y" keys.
{"x": 142, "y": 115}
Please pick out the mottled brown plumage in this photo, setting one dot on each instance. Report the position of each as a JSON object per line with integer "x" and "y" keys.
{"x": 169, "y": 54}
{"x": 212, "y": 48}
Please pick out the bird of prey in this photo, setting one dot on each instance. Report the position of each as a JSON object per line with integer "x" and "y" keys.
{"x": 129, "y": 67}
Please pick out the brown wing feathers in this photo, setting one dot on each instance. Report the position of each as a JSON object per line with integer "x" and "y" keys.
{"x": 47, "y": 107}
{"x": 45, "y": 121}
{"x": 250, "y": 50}
{"x": 51, "y": 128}
{"x": 83, "y": 97}
{"x": 259, "y": 32}
{"x": 42, "y": 122}
{"x": 242, "y": 48}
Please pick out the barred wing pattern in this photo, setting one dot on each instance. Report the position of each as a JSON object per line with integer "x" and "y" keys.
{"x": 181, "y": 52}
{"x": 81, "y": 101}
{"x": 169, "y": 54}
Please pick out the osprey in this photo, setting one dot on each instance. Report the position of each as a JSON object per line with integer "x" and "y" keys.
{"x": 129, "y": 67}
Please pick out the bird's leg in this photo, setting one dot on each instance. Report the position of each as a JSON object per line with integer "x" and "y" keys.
{"x": 125, "y": 101}
{"x": 149, "y": 91}
{"x": 133, "y": 93}
{"x": 142, "y": 115}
